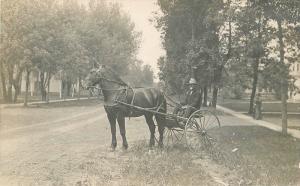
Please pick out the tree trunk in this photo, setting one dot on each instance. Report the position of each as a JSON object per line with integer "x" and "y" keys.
{"x": 10, "y": 72}
{"x": 3, "y": 81}
{"x": 215, "y": 96}
{"x": 69, "y": 86}
{"x": 42, "y": 86}
{"x": 79, "y": 85}
{"x": 16, "y": 93}
{"x": 48, "y": 87}
{"x": 284, "y": 80}
{"x": 284, "y": 115}
{"x": 217, "y": 80}
{"x": 26, "y": 87}
{"x": 255, "y": 67}
{"x": 254, "y": 85}
{"x": 205, "y": 96}
{"x": 17, "y": 85}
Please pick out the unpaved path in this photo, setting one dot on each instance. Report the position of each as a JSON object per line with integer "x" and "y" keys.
{"x": 67, "y": 146}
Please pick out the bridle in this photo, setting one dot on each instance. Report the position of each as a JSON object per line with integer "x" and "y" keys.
{"x": 123, "y": 85}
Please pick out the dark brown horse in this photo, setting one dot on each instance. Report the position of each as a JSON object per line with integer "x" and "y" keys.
{"x": 116, "y": 92}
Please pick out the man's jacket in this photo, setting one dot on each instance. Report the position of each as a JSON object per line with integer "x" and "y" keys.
{"x": 193, "y": 98}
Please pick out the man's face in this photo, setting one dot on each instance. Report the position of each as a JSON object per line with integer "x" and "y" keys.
{"x": 192, "y": 86}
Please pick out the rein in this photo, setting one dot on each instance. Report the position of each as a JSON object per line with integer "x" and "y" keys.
{"x": 110, "y": 89}
{"x": 114, "y": 81}
{"x": 122, "y": 90}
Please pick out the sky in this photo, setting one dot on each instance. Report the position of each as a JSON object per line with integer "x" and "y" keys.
{"x": 140, "y": 12}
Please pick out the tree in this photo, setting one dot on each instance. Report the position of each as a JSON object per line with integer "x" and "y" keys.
{"x": 15, "y": 28}
{"x": 62, "y": 38}
{"x": 193, "y": 37}
{"x": 283, "y": 13}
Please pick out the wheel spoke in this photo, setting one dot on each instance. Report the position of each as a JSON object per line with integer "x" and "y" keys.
{"x": 208, "y": 120}
{"x": 203, "y": 120}
{"x": 196, "y": 126}
{"x": 171, "y": 136}
{"x": 208, "y": 141}
{"x": 168, "y": 136}
{"x": 211, "y": 123}
{"x": 175, "y": 135}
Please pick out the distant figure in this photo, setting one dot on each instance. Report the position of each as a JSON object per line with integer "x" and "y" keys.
{"x": 258, "y": 107}
{"x": 192, "y": 100}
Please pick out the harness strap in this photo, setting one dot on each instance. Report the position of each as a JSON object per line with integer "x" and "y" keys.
{"x": 114, "y": 81}
{"x": 132, "y": 100}
{"x": 132, "y": 96}
{"x": 108, "y": 89}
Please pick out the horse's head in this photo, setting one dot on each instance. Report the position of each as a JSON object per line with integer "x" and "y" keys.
{"x": 92, "y": 78}
{"x": 104, "y": 76}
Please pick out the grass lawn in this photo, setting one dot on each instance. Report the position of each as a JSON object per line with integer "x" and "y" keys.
{"x": 293, "y": 119}
{"x": 243, "y": 106}
{"x": 52, "y": 96}
{"x": 264, "y": 157}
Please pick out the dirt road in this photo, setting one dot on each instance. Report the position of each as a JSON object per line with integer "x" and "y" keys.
{"x": 69, "y": 145}
{"x": 52, "y": 145}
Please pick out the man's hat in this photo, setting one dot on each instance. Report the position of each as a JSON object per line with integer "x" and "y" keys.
{"x": 192, "y": 81}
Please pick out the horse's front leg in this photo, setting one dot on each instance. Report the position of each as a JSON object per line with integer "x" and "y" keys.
{"x": 151, "y": 126}
{"x": 112, "y": 122}
{"x": 121, "y": 122}
{"x": 161, "y": 127}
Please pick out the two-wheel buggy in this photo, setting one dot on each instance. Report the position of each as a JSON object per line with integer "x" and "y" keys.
{"x": 197, "y": 131}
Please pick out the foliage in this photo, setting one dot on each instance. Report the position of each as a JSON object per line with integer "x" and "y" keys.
{"x": 190, "y": 33}
{"x": 231, "y": 42}
{"x": 63, "y": 39}
{"x": 139, "y": 75}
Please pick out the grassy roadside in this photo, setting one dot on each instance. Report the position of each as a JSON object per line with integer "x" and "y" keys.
{"x": 161, "y": 167}
{"x": 263, "y": 157}
{"x": 271, "y": 111}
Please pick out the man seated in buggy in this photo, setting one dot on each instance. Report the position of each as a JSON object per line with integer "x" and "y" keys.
{"x": 192, "y": 101}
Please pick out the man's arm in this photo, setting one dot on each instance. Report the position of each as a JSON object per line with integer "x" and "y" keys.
{"x": 195, "y": 100}
{"x": 185, "y": 101}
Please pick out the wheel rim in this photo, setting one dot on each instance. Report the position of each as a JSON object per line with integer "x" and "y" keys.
{"x": 172, "y": 136}
{"x": 200, "y": 130}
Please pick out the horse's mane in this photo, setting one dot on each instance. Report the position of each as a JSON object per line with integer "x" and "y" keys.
{"x": 115, "y": 76}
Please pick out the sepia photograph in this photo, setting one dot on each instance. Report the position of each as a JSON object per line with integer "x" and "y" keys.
{"x": 149, "y": 92}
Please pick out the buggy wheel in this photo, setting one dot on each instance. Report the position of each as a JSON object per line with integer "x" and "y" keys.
{"x": 201, "y": 129}
{"x": 172, "y": 136}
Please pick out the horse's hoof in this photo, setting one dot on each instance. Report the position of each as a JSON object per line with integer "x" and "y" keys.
{"x": 113, "y": 147}
{"x": 161, "y": 145}
{"x": 150, "y": 151}
{"x": 125, "y": 147}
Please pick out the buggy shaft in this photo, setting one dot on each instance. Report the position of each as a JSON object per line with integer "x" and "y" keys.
{"x": 151, "y": 111}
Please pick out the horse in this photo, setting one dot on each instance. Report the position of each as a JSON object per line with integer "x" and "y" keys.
{"x": 117, "y": 94}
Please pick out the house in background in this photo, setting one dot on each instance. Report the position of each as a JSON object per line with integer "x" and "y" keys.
{"x": 57, "y": 87}
{"x": 55, "y": 84}
{"x": 295, "y": 72}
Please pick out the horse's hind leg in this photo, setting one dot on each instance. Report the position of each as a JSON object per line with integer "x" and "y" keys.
{"x": 121, "y": 121}
{"x": 161, "y": 127}
{"x": 151, "y": 126}
{"x": 112, "y": 122}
